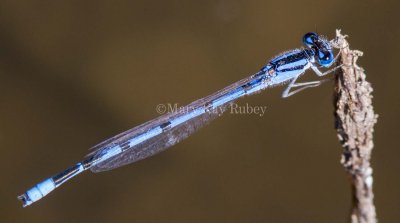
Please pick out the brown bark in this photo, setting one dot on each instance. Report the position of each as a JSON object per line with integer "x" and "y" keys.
{"x": 354, "y": 122}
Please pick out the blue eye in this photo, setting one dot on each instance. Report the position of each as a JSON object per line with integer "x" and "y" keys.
{"x": 310, "y": 38}
{"x": 325, "y": 58}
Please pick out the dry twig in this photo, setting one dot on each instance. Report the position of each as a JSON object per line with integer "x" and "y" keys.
{"x": 354, "y": 122}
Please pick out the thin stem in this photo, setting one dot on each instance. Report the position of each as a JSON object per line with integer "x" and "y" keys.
{"x": 354, "y": 122}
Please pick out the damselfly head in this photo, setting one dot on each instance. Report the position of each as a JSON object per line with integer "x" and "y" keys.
{"x": 321, "y": 47}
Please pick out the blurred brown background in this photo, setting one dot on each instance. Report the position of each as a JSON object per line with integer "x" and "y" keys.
{"x": 75, "y": 73}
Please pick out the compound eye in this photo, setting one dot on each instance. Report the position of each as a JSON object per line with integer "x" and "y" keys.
{"x": 310, "y": 39}
{"x": 325, "y": 58}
